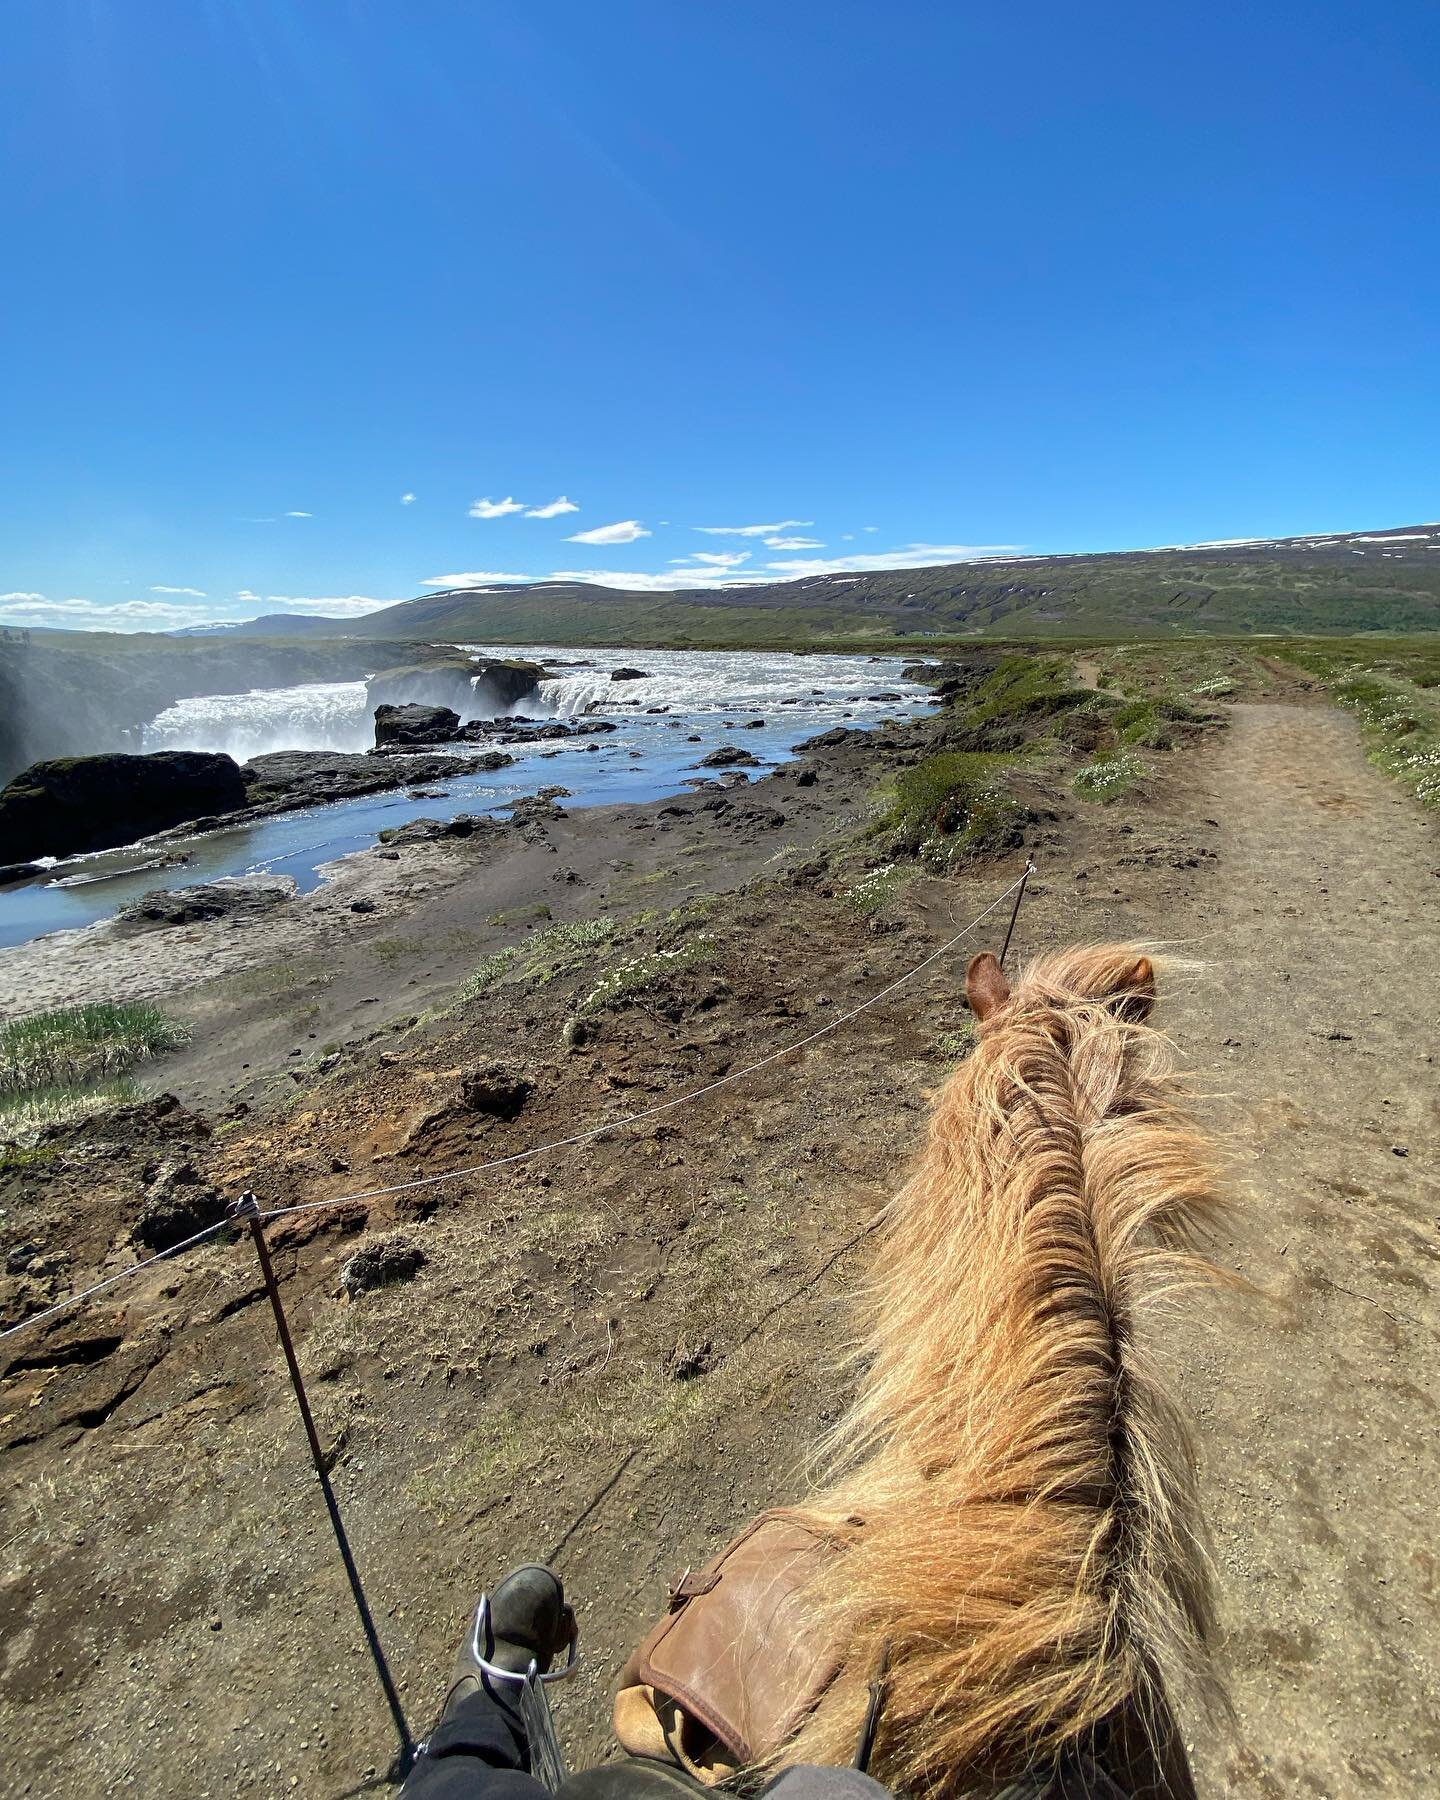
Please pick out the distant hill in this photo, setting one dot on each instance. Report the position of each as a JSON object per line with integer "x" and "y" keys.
{"x": 1346, "y": 582}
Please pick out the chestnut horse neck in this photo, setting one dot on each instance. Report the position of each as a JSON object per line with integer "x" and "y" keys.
{"x": 1033, "y": 1551}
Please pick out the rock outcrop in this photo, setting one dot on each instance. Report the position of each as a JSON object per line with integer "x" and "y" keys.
{"x": 232, "y": 897}
{"x": 283, "y": 779}
{"x": 82, "y": 803}
{"x": 472, "y": 689}
{"x": 414, "y": 724}
{"x": 729, "y": 756}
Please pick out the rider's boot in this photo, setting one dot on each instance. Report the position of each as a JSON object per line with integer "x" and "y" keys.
{"x": 527, "y": 1620}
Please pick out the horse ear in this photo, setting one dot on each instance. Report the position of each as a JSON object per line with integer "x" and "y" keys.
{"x": 985, "y": 986}
{"x": 1135, "y": 996}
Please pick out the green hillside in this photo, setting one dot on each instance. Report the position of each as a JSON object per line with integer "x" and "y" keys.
{"x": 1348, "y": 583}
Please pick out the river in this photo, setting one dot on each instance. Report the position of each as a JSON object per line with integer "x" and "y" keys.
{"x": 701, "y": 700}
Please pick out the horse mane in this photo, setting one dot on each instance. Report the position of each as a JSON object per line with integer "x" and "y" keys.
{"x": 1033, "y": 1553}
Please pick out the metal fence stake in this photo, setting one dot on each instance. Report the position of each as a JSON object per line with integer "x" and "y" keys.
{"x": 247, "y": 1210}
{"x": 1015, "y": 911}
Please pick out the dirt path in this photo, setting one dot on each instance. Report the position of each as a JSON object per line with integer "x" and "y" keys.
{"x": 1315, "y": 1029}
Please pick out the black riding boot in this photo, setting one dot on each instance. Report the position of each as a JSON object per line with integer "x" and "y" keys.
{"x": 479, "y": 1746}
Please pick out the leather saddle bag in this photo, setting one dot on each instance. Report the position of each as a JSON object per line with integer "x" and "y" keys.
{"x": 738, "y": 1662}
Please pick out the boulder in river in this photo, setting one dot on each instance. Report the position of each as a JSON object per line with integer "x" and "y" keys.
{"x": 729, "y": 756}
{"x": 629, "y": 674}
{"x": 81, "y": 803}
{"x": 473, "y": 687}
{"x": 415, "y": 724}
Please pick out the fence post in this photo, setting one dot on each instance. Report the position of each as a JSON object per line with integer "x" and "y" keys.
{"x": 247, "y": 1210}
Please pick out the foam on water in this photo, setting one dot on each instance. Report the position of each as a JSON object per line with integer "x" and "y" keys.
{"x": 709, "y": 681}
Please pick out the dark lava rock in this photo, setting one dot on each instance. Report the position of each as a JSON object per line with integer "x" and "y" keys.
{"x": 887, "y": 696}
{"x": 18, "y": 872}
{"x": 834, "y": 738}
{"x": 94, "y": 802}
{"x": 468, "y": 685}
{"x": 363, "y": 905}
{"x": 804, "y": 778}
{"x": 729, "y": 757}
{"x": 629, "y": 674}
{"x": 429, "y": 831}
{"x": 492, "y": 760}
{"x": 233, "y": 896}
{"x": 290, "y": 778}
{"x": 690, "y": 1360}
{"x": 415, "y": 724}
{"x": 18, "y": 1259}
{"x": 177, "y": 1204}
{"x": 395, "y": 1257}
{"x": 752, "y": 725}
{"x": 534, "y": 810}
{"x": 496, "y": 1090}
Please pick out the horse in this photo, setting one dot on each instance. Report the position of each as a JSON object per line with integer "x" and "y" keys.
{"x": 1031, "y": 1554}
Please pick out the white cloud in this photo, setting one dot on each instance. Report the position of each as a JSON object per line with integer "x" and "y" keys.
{"x": 625, "y": 532}
{"x": 793, "y": 543}
{"x": 299, "y": 515}
{"x": 908, "y": 556}
{"x": 468, "y": 578}
{"x": 131, "y": 615}
{"x": 872, "y": 528}
{"x": 268, "y": 519}
{"x": 752, "y": 530}
{"x": 496, "y": 509}
{"x": 717, "y": 559}
{"x": 407, "y": 499}
{"x": 659, "y": 584}
{"x": 194, "y": 593}
{"x": 329, "y": 606}
{"x": 553, "y": 510}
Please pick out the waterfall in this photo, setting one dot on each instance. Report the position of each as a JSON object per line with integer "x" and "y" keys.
{"x": 329, "y": 715}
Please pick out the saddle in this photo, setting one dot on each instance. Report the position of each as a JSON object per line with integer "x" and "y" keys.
{"x": 737, "y": 1662}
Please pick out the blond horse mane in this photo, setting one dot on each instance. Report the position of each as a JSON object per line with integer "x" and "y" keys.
{"x": 1032, "y": 1552}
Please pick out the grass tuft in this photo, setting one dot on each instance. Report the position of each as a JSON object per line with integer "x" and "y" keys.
{"x": 629, "y": 982}
{"x": 80, "y": 1044}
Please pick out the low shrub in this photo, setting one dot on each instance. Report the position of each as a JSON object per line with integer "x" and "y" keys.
{"x": 950, "y": 805}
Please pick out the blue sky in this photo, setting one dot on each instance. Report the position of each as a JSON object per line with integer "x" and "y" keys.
{"x": 872, "y": 276}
